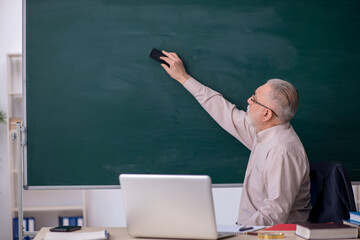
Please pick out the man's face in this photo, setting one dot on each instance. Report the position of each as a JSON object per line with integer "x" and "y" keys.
{"x": 255, "y": 111}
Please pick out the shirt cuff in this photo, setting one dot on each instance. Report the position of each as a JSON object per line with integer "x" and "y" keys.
{"x": 192, "y": 85}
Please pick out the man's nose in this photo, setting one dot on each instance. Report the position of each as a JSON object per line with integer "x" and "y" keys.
{"x": 249, "y": 100}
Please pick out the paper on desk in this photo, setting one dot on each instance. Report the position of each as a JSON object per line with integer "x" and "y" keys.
{"x": 99, "y": 235}
{"x": 235, "y": 228}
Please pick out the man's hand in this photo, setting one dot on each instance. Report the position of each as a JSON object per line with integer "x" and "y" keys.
{"x": 176, "y": 70}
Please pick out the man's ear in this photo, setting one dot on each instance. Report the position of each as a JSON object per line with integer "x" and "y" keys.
{"x": 267, "y": 115}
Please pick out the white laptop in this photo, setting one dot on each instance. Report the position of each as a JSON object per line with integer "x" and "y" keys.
{"x": 169, "y": 206}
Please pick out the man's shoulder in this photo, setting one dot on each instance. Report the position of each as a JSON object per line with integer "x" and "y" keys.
{"x": 288, "y": 142}
{"x": 290, "y": 147}
{"x": 289, "y": 139}
{"x": 291, "y": 152}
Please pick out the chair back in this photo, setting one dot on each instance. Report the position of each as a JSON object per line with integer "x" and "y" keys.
{"x": 332, "y": 196}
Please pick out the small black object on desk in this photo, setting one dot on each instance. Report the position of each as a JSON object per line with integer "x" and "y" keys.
{"x": 65, "y": 228}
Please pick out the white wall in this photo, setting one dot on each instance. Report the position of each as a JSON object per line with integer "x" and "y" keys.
{"x": 10, "y": 42}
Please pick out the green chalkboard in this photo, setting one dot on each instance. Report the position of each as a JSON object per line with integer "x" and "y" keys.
{"x": 98, "y": 106}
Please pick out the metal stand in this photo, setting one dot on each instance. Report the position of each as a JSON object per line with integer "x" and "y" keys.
{"x": 19, "y": 146}
{"x": 19, "y": 181}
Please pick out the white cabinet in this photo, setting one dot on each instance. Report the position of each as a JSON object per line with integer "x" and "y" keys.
{"x": 44, "y": 205}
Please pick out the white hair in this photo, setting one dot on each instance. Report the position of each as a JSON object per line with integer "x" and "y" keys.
{"x": 285, "y": 97}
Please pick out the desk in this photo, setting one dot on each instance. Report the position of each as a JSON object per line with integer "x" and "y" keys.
{"x": 121, "y": 233}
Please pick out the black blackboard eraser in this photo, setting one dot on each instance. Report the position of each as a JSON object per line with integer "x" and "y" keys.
{"x": 156, "y": 54}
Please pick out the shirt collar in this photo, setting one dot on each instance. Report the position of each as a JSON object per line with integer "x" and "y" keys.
{"x": 269, "y": 133}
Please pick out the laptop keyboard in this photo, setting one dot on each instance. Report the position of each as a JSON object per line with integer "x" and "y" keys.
{"x": 225, "y": 234}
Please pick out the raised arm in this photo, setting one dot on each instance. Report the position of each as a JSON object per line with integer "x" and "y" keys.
{"x": 222, "y": 111}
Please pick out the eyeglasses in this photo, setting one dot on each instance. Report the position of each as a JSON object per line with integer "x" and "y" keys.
{"x": 253, "y": 99}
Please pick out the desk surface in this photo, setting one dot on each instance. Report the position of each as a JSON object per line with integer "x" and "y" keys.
{"x": 121, "y": 233}
{"x": 117, "y": 233}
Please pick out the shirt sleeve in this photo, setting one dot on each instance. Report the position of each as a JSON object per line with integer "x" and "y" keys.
{"x": 283, "y": 176}
{"x": 223, "y": 112}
